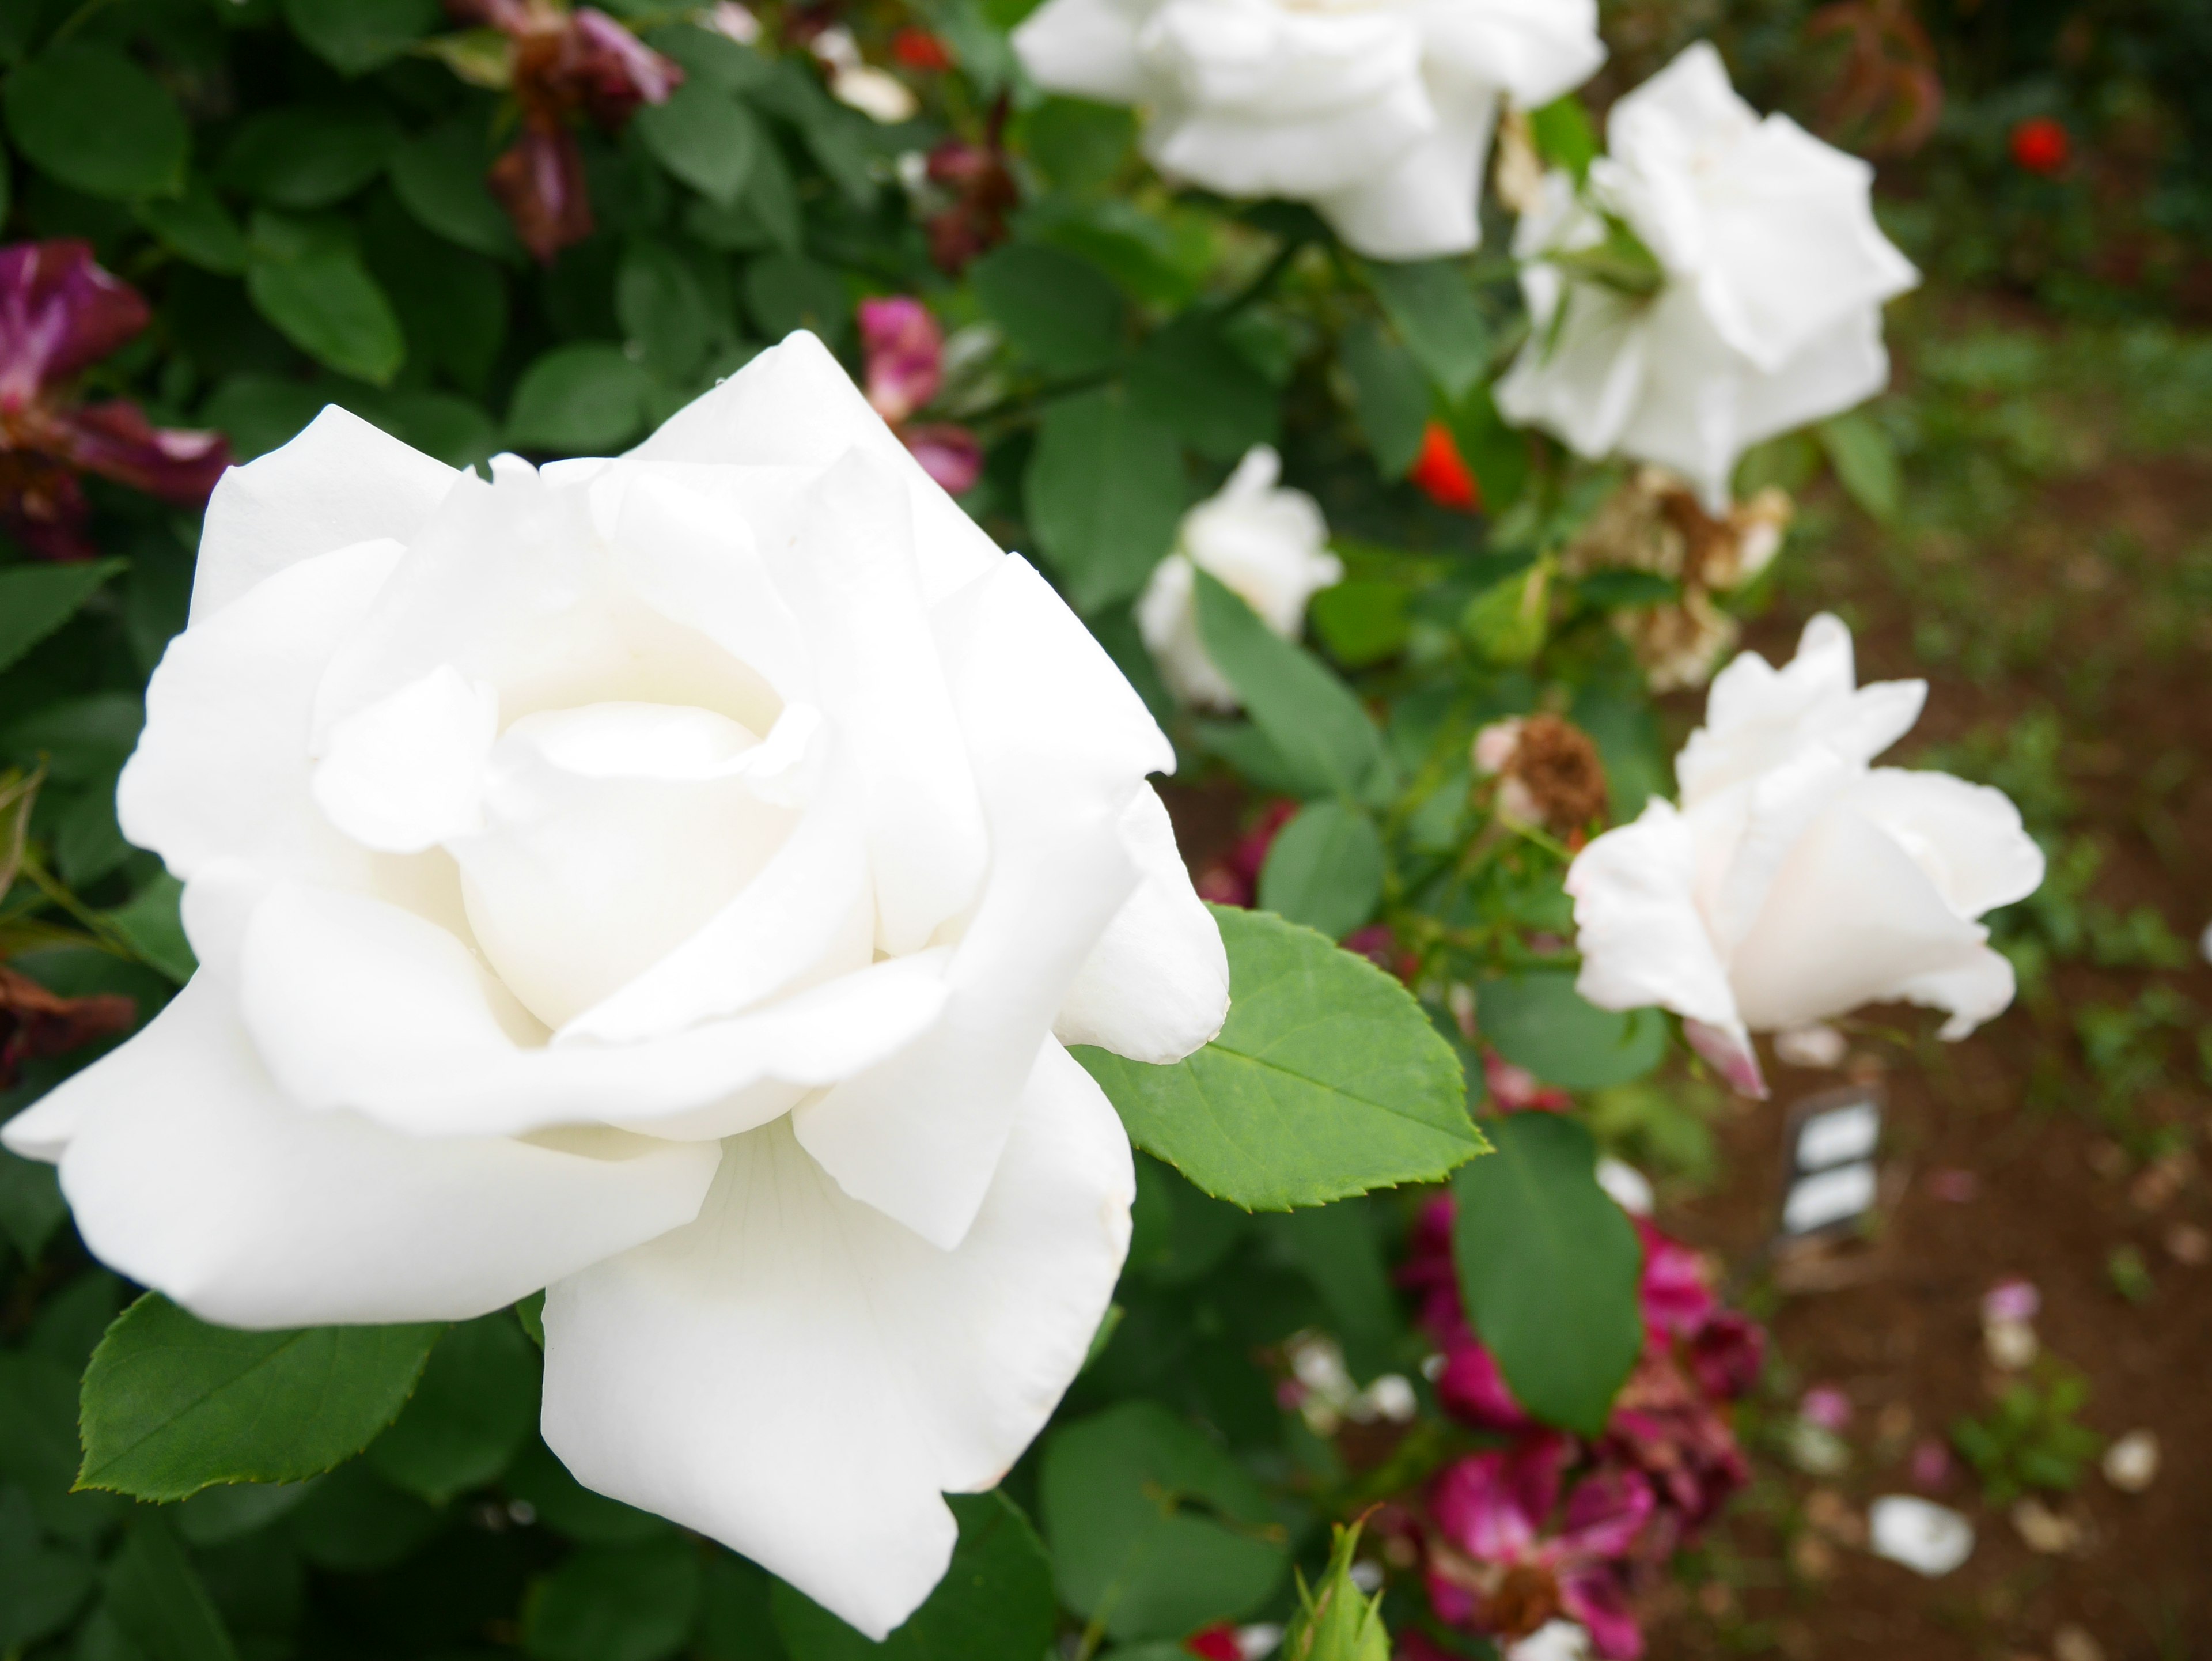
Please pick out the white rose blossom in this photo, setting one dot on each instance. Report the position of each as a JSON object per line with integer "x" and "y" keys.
{"x": 1796, "y": 881}
{"x": 1267, "y": 544}
{"x": 1378, "y": 113}
{"x": 670, "y": 881}
{"x": 1769, "y": 312}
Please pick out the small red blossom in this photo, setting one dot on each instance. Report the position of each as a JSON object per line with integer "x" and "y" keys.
{"x": 36, "y": 1024}
{"x": 2041, "y": 146}
{"x": 59, "y": 314}
{"x": 1441, "y": 473}
{"x": 983, "y": 193}
{"x": 1215, "y": 1643}
{"x": 903, "y": 353}
{"x": 918, "y": 49}
{"x": 566, "y": 63}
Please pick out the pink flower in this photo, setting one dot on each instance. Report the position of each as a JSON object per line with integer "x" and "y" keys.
{"x": 1825, "y": 1406}
{"x": 903, "y": 353}
{"x": 1498, "y": 1563}
{"x": 1517, "y": 1090}
{"x": 60, "y": 313}
{"x": 2012, "y": 1300}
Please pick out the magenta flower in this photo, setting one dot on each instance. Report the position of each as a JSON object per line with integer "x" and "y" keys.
{"x": 563, "y": 64}
{"x": 903, "y": 353}
{"x": 1496, "y": 1562}
{"x": 60, "y": 313}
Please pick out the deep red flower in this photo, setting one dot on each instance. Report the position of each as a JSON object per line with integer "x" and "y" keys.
{"x": 1215, "y": 1643}
{"x": 2042, "y": 146}
{"x": 35, "y": 1022}
{"x": 918, "y": 49}
{"x": 566, "y": 64}
{"x": 59, "y": 314}
{"x": 1442, "y": 474}
{"x": 983, "y": 193}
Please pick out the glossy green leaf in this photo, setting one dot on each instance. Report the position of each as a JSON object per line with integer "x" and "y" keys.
{"x": 1155, "y": 1530}
{"x": 663, "y": 308}
{"x": 354, "y": 1522}
{"x": 153, "y": 923}
{"x": 1548, "y": 1266}
{"x": 1390, "y": 395}
{"x": 1325, "y": 869}
{"x": 1563, "y": 134}
{"x": 1431, "y": 303}
{"x": 787, "y": 291}
{"x": 1328, "y": 1079}
{"x": 308, "y": 155}
{"x": 439, "y": 177}
{"x": 633, "y": 1602}
{"x": 158, "y": 1601}
{"x": 470, "y": 1413}
{"x": 36, "y": 600}
{"x": 197, "y": 227}
{"x": 995, "y": 1600}
{"x": 1361, "y": 622}
{"x": 171, "y": 1405}
{"x": 1105, "y": 491}
{"x": 1078, "y": 145}
{"x": 705, "y": 137}
{"x": 1539, "y": 1021}
{"x": 1055, "y": 309}
{"x": 709, "y": 56}
{"x": 1313, "y": 719}
{"x": 1190, "y": 380}
{"x": 41, "y": 1586}
{"x": 584, "y": 399}
{"x": 356, "y": 36}
{"x": 324, "y": 301}
{"x": 88, "y": 116}
{"x": 1865, "y": 462}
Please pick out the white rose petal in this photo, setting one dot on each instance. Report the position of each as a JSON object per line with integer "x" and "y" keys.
{"x": 1267, "y": 544}
{"x": 1774, "y": 273}
{"x": 1380, "y": 116}
{"x": 1796, "y": 881}
{"x": 1926, "y": 1537}
{"x": 727, "y": 825}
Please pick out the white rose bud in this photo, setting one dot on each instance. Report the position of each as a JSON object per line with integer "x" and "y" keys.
{"x": 669, "y": 881}
{"x": 1795, "y": 881}
{"x": 1379, "y": 115}
{"x": 1267, "y": 544}
{"x": 1773, "y": 276}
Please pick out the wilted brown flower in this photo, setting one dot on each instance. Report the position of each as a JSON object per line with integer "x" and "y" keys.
{"x": 35, "y": 1022}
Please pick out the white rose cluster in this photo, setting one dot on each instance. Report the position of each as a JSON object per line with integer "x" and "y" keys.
{"x": 669, "y": 881}
{"x": 1378, "y": 113}
{"x": 1772, "y": 277}
{"x": 1796, "y": 880}
{"x": 1267, "y": 544}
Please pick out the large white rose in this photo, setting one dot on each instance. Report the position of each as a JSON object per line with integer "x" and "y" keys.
{"x": 1769, "y": 315}
{"x": 669, "y": 881}
{"x": 1795, "y": 881}
{"x": 1379, "y": 113}
{"x": 1265, "y": 543}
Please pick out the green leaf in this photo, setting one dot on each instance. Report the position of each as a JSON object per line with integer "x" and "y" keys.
{"x": 1615, "y": 586}
{"x": 1564, "y": 135}
{"x": 1866, "y": 463}
{"x": 1325, "y": 869}
{"x": 1390, "y": 396}
{"x": 356, "y": 36}
{"x": 215, "y": 1517}
{"x": 308, "y": 155}
{"x": 88, "y": 116}
{"x": 1362, "y": 622}
{"x": 1077, "y": 144}
{"x": 197, "y": 227}
{"x": 158, "y": 1601}
{"x": 469, "y": 1416}
{"x": 1508, "y": 621}
{"x": 1105, "y": 491}
{"x": 1496, "y": 454}
{"x": 705, "y": 137}
{"x": 1056, "y": 310}
{"x": 662, "y": 307}
{"x": 632, "y": 1603}
{"x": 1155, "y": 1531}
{"x": 261, "y": 412}
{"x": 1539, "y": 1021}
{"x": 31, "y": 1204}
{"x": 1433, "y": 304}
{"x": 712, "y": 57}
{"x": 1336, "y": 1247}
{"x": 1190, "y": 380}
{"x": 1327, "y": 1081}
{"x": 355, "y": 1522}
{"x": 735, "y": 1621}
{"x": 584, "y": 399}
{"x": 565, "y": 1504}
{"x": 787, "y": 291}
{"x": 153, "y": 926}
{"x": 36, "y": 599}
{"x": 439, "y": 178}
{"x": 171, "y": 1405}
{"x": 1548, "y": 1265}
{"x": 1313, "y": 719}
{"x": 323, "y": 300}
{"x": 41, "y": 1586}
{"x": 995, "y": 1600}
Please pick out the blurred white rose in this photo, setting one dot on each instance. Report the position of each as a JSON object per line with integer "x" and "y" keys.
{"x": 1773, "y": 273}
{"x": 669, "y": 881}
{"x": 1265, "y": 543}
{"x": 1379, "y": 113}
{"x": 1795, "y": 882}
